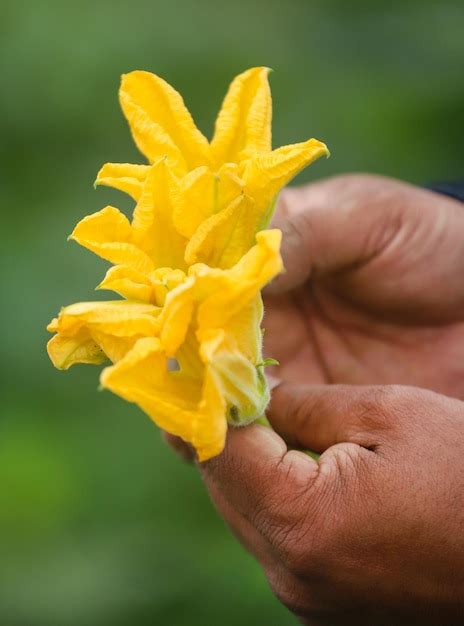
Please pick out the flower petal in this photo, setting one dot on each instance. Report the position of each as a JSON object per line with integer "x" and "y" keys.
{"x": 172, "y": 400}
{"x": 126, "y": 177}
{"x": 128, "y": 283}
{"x": 245, "y": 327}
{"x": 223, "y": 294}
{"x": 224, "y": 237}
{"x": 109, "y": 234}
{"x": 53, "y": 326}
{"x": 160, "y": 122}
{"x": 210, "y": 425}
{"x": 188, "y": 357}
{"x": 176, "y": 317}
{"x": 113, "y": 346}
{"x": 236, "y": 377}
{"x": 243, "y": 125}
{"x": 203, "y": 193}
{"x": 67, "y": 351}
{"x": 193, "y": 202}
{"x": 119, "y": 318}
{"x": 266, "y": 174}
{"x": 152, "y": 224}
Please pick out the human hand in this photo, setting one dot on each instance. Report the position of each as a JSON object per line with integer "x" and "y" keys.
{"x": 374, "y": 532}
{"x": 374, "y": 286}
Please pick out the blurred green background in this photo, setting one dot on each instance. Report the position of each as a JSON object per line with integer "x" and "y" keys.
{"x": 99, "y": 523}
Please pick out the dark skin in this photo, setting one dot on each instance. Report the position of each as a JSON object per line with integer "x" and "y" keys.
{"x": 373, "y": 298}
{"x": 373, "y": 533}
{"x": 374, "y": 287}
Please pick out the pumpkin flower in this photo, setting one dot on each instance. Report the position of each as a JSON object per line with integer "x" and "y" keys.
{"x": 229, "y": 184}
{"x": 209, "y": 327}
{"x": 185, "y": 342}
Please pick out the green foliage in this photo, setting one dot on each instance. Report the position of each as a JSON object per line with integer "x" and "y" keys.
{"x": 99, "y": 523}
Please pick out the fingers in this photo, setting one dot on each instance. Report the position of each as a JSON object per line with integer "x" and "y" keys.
{"x": 260, "y": 478}
{"x": 317, "y": 417}
{"x": 243, "y": 530}
{"x": 283, "y": 582}
{"x": 329, "y": 225}
{"x": 280, "y": 503}
{"x": 268, "y": 484}
{"x": 384, "y": 243}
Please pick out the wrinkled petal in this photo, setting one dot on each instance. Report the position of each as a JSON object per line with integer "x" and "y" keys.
{"x": 266, "y": 174}
{"x": 194, "y": 200}
{"x": 173, "y": 402}
{"x": 164, "y": 280}
{"x": 160, "y": 123}
{"x": 128, "y": 283}
{"x": 120, "y": 318}
{"x": 223, "y": 294}
{"x": 243, "y": 125}
{"x": 203, "y": 193}
{"x": 67, "y": 351}
{"x": 126, "y": 177}
{"x": 229, "y": 186}
{"x": 113, "y": 346}
{"x": 152, "y": 224}
{"x": 109, "y": 234}
{"x": 224, "y": 237}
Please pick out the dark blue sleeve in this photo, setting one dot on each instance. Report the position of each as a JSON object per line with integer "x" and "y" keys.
{"x": 454, "y": 190}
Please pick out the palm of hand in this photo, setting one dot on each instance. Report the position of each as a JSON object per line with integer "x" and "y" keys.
{"x": 318, "y": 337}
{"x": 375, "y": 271}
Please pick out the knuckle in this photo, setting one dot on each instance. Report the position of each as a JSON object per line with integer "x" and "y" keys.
{"x": 282, "y": 514}
{"x": 344, "y": 458}
{"x": 378, "y": 405}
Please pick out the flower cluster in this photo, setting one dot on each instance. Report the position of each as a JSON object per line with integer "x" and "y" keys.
{"x": 185, "y": 341}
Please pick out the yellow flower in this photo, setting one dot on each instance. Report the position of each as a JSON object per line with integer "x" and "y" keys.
{"x": 226, "y": 188}
{"x": 210, "y": 325}
{"x": 185, "y": 343}
{"x": 150, "y": 240}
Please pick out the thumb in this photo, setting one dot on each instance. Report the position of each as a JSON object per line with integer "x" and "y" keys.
{"x": 316, "y": 417}
{"x": 390, "y": 246}
{"x": 327, "y": 226}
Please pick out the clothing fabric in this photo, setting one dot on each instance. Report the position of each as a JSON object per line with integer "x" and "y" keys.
{"x": 454, "y": 190}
